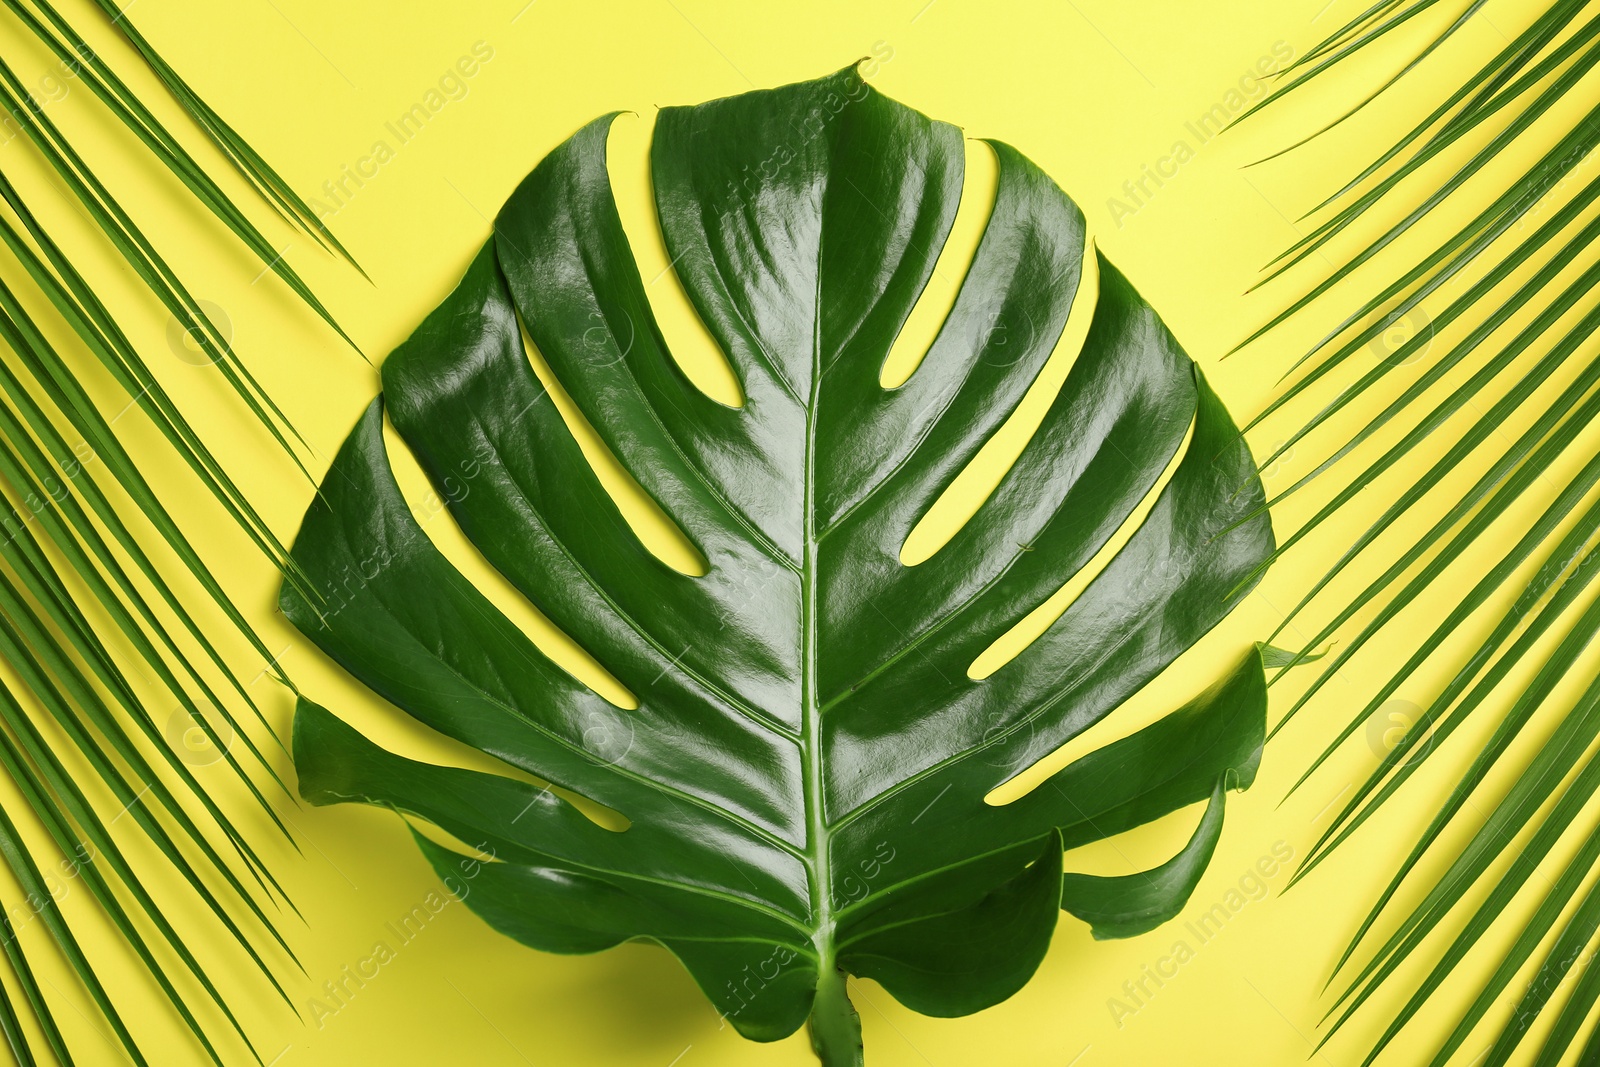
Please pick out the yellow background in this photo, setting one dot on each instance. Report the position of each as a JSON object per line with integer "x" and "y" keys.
{"x": 1094, "y": 91}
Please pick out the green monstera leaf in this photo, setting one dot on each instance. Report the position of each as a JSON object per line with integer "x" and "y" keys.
{"x": 806, "y": 776}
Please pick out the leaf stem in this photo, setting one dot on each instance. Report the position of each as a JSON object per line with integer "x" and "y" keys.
{"x": 835, "y": 1026}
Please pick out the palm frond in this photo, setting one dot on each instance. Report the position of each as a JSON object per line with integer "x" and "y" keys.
{"x": 91, "y": 561}
{"x": 1545, "y": 376}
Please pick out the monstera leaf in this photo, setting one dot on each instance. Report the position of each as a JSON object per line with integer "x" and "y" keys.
{"x": 806, "y": 776}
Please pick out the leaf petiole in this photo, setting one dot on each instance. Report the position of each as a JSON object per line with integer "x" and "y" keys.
{"x": 835, "y": 1026}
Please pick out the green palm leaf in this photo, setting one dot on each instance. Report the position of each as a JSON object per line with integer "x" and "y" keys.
{"x": 1510, "y": 102}
{"x": 806, "y": 763}
{"x": 80, "y": 588}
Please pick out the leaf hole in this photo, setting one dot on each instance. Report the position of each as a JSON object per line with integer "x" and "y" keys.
{"x": 971, "y": 489}
{"x": 979, "y": 184}
{"x": 410, "y": 738}
{"x": 1168, "y": 691}
{"x": 687, "y": 341}
{"x": 602, "y": 816}
{"x": 433, "y": 516}
{"x": 1029, "y": 628}
{"x": 1139, "y": 848}
{"x": 1122, "y": 722}
{"x": 652, "y": 526}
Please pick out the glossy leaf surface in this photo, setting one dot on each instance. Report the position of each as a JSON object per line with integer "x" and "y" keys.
{"x": 806, "y": 773}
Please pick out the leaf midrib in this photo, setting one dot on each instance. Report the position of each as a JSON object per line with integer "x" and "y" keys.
{"x": 816, "y": 855}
